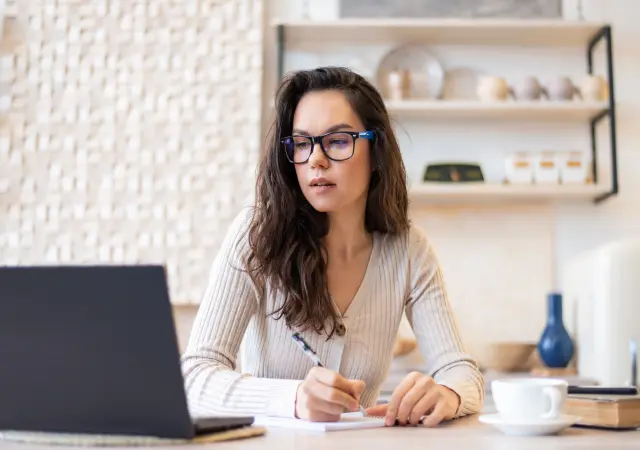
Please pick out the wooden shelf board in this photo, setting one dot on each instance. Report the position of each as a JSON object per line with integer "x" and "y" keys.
{"x": 508, "y": 110}
{"x": 474, "y": 192}
{"x": 445, "y": 31}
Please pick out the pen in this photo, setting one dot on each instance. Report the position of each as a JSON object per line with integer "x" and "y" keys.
{"x": 314, "y": 357}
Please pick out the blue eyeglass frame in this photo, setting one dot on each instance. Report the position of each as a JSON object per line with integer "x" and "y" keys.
{"x": 318, "y": 140}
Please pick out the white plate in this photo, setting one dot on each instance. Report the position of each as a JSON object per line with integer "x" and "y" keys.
{"x": 426, "y": 74}
{"x": 538, "y": 428}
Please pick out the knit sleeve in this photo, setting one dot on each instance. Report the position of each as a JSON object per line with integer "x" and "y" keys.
{"x": 433, "y": 322}
{"x": 212, "y": 385}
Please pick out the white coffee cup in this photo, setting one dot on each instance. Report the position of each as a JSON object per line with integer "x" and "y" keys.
{"x": 529, "y": 400}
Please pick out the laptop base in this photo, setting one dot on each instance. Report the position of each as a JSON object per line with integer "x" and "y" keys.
{"x": 218, "y": 424}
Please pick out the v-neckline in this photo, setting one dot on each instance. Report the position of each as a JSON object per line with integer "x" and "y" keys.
{"x": 361, "y": 292}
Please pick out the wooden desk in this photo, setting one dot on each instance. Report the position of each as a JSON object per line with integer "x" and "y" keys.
{"x": 462, "y": 434}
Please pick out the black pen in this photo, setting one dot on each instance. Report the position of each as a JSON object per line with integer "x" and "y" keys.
{"x": 314, "y": 357}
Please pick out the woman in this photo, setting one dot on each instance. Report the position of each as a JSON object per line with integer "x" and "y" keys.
{"x": 327, "y": 252}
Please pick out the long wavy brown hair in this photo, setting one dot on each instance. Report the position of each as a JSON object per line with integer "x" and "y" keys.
{"x": 286, "y": 233}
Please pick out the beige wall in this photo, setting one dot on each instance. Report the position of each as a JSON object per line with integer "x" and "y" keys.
{"x": 132, "y": 132}
{"x": 183, "y": 317}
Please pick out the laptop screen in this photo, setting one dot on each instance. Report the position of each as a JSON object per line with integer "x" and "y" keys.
{"x": 90, "y": 349}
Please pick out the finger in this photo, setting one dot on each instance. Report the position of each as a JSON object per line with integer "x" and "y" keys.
{"x": 410, "y": 400}
{"x": 334, "y": 379}
{"x": 378, "y": 410}
{"x": 321, "y": 416}
{"x": 353, "y": 388}
{"x": 358, "y": 388}
{"x": 424, "y": 406}
{"x": 315, "y": 389}
{"x": 398, "y": 394}
{"x": 335, "y": 396}
{"x": 319, "y": 404}
{"x": 436, "y": 415}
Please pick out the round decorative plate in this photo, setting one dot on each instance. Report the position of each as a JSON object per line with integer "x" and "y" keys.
{"x": 426, "y": 74}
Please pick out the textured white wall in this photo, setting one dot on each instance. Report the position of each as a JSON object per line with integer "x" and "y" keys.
{"x": 131, "y": 132}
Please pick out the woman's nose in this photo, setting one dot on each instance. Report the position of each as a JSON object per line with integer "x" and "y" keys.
{"x": 318, "y": 158}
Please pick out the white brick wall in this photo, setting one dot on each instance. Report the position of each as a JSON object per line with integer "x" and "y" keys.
{"x": 130, "y": 132}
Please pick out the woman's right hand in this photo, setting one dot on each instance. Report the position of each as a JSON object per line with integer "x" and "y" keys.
{"x": 325, "y": 394}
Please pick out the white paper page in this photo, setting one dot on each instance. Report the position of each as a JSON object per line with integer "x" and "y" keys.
{"x": 348, "y": 421}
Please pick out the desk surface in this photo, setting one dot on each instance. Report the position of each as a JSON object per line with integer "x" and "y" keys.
{"x": 461, "y": 434}
{"x": 466, "y": 433}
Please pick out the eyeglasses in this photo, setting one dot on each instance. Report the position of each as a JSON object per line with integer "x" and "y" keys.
{"x": 337, "y": 145}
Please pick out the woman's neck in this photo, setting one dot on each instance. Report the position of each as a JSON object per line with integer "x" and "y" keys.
{"x": 347, "y": 235}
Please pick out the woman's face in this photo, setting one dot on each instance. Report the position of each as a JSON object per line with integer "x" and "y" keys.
{"x": 331, "y": 186}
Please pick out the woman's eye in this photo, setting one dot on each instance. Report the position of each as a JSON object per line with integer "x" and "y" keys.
{"x": 339, "y": 142}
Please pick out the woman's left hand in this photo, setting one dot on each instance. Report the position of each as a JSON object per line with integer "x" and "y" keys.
{"x": 418, "y": 396}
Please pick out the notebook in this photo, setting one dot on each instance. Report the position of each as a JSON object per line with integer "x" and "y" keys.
{"x": 348, "y": 421}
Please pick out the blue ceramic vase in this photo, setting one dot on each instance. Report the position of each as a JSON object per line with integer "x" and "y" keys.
{"x": 555, "y": 346}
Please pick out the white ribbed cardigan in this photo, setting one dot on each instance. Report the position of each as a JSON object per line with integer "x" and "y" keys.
{"x": 403, "y": 276}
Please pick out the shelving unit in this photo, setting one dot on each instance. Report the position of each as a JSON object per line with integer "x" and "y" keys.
{"x": 548, "y": 33}
{"x": 464, "y": 192}
{"x": 532, "y": 110}
{"x": 444, "y": 31}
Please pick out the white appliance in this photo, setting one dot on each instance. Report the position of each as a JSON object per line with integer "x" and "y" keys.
{"x": 601, "y": 290}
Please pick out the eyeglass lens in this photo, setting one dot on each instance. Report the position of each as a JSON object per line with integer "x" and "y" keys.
{"x": 337, "y": 146}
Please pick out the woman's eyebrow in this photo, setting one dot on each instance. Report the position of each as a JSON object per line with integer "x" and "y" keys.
{"x": 340, "y": 126}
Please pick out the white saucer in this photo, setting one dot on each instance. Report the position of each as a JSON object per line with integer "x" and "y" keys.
{"x": 537, "y": 428}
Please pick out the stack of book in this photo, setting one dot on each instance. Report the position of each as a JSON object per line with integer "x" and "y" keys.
{"x": 605, "y": 411}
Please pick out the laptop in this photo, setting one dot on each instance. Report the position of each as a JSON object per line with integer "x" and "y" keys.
{"x": 93, "y": 349}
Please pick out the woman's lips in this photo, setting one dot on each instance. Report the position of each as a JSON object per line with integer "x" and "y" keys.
{"x": 322, "y": 188}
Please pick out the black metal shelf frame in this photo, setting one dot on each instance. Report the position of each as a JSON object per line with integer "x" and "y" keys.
{"x": 603, "y": 34}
